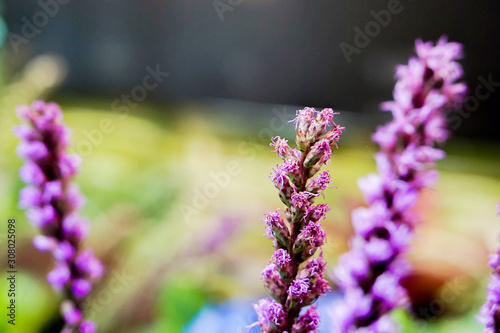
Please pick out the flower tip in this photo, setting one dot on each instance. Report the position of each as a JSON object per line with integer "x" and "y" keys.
{"x": 38, "y": 105}
{"x": 442, "y": 40}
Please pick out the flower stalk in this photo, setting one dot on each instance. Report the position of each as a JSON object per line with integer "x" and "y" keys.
{"x": 52, "y": 201}
{"x": 370, "y": 273}
{"x": 292, "y": 278}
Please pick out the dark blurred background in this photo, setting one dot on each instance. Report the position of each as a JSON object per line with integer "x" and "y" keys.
{"x": 285, "y": 52}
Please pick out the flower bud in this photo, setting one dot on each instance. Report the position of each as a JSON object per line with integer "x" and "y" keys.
{"x": 307, "y": 322}
{"x": 277, "y": 229}
{"x": 274, "y": 284}
{"x": 308, "y": 241}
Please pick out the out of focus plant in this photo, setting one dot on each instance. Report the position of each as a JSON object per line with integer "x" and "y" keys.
{"x": 490, "y": 311}
{"x": 370, "y": 273}
{"x": 53, "y": 202}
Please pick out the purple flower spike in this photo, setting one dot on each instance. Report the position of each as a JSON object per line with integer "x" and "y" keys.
{"x": 489, "y": 315}
{"x": 52, "y": 203}
{"x": 291, "y": 278}
{"x": 371, "y": 272}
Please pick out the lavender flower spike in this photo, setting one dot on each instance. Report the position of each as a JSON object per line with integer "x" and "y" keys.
{"x": 489, "y": 315}
{"x": 52, "y": 203}
{"x": 370, "y": 273}
{"x": 292, "y": 279}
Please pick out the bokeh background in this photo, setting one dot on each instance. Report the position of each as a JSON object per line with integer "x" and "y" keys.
{"x": 177, "y": 180}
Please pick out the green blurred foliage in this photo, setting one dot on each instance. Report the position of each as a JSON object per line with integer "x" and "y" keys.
{"x": 180, "y": 299}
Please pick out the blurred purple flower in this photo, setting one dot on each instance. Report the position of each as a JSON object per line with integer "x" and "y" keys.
{"x": 489, "y": 315}
{"x": 52, "y": 201}
{"x": 370, "y": 273}
{"x": 227, "y": 229}
{"x": 291, "y": 278}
